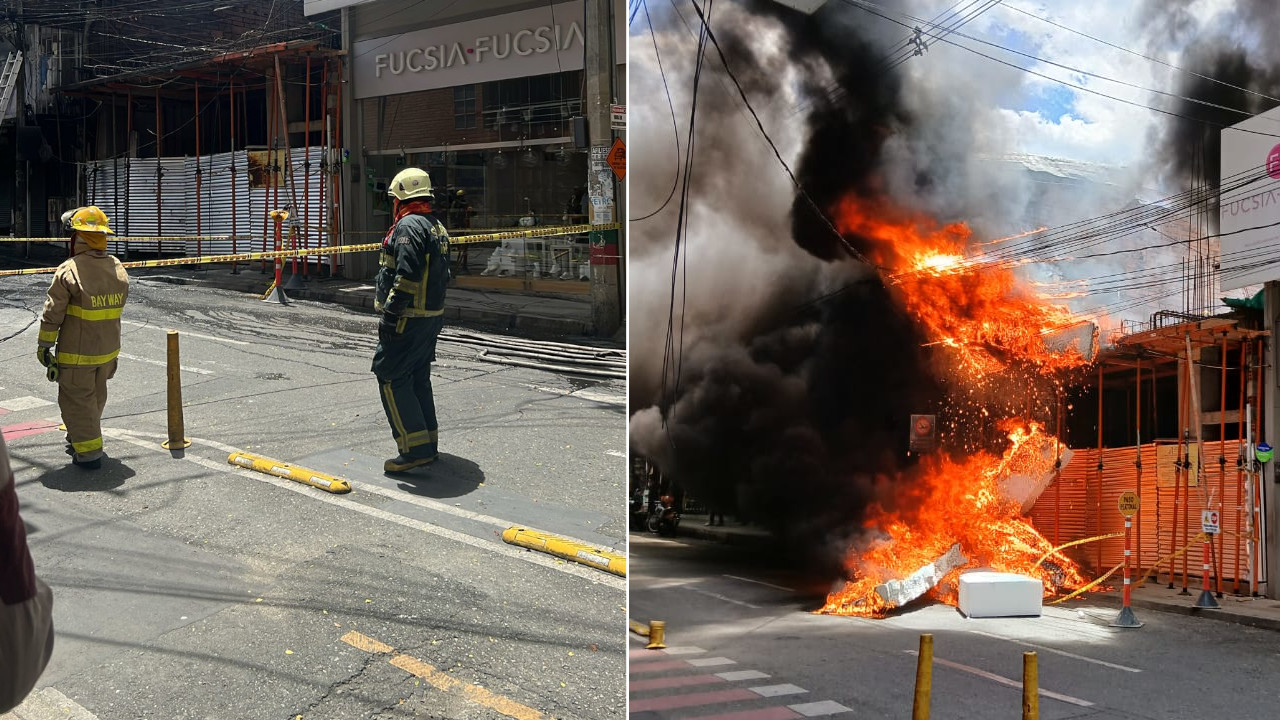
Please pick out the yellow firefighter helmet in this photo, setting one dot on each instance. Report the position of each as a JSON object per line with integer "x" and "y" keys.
{"x": 411, "y": 183}
{"x": 90, "y": 219}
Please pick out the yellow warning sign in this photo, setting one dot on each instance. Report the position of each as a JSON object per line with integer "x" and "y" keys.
{"x": 1128, "y": 503}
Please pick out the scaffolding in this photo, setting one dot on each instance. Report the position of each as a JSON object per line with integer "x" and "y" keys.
{"x": 1203, "y": 379}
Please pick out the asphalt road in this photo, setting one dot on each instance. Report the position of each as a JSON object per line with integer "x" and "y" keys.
{"x": 187, "y": 588}
{"x": 744, "y": 644}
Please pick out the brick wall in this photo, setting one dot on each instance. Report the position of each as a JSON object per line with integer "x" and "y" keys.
{"x": 420, "y": 119}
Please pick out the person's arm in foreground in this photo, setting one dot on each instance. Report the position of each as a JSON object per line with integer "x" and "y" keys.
{"x": 26, "y": 603}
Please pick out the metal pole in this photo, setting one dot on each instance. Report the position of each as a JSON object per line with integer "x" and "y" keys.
{"x": 336, "y": 233}
{"x": 1098, "y": 499}
{"x": 159, "y": 175}
{"x": 1177, "y": 474}
{"x": 1259, "y": 432}
{"x": 1219, "y": 564}
{"x": 199, "y": 228}
{"x": 1057, "y": 481}
{"x": 1137, "y": 463}
{"x": 234, "y": 229}
{"x": 306, "y": 175}
{"x": 1240, "y": 440}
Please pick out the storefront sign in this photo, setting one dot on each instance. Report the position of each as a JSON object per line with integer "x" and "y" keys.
{"x": 539, "y": 41}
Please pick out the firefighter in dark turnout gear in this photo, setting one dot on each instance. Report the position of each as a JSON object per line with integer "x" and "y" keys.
{"x": 410, "y": 297}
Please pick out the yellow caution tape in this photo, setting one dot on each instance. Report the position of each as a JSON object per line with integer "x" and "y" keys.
{"x": 306, "y": 476}
{"x": 569, "y": 550}
{"x": 1088, "y": 587}
{"x": 638, "y": 628}
{"x": 327, "y": 250}
{"x": 1075, "y": 542}
{"x": 133, "y": 238}
{"x": 1171, "y": 556}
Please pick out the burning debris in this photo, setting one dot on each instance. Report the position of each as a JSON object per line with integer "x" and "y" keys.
{"x": 957, "y": 516}
{"x": 896, "y": 593}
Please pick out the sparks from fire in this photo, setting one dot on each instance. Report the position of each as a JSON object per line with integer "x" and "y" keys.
{"x": 989, "y": 324}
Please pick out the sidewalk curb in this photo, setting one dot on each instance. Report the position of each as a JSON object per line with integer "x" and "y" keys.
{"x": 530, "y": 325}
{"x": 1223, "y": 614}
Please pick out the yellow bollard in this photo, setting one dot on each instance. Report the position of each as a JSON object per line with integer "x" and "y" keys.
{"x": 177, "y": 432}
{"x": 657, "y": 635}
{"x": 1030, "y": 687}
{"x": 924, "y": 678}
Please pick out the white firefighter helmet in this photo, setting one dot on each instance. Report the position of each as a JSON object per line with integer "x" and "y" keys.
{"x": 411, "y": 183}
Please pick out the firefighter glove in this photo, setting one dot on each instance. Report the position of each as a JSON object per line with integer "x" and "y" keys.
{"x": 387, "y": 332}
{"x": 50, "y": 361}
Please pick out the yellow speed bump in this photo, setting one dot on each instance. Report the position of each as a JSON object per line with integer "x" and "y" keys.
{"x": 569, "y": 550}
{"x": 306, "y": 476}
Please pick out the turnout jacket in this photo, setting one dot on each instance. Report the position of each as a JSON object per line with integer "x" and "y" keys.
{"x": 415, "y": 268}
{"x": 83, "y": 308}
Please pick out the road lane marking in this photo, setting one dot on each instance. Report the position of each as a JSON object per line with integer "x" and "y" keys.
{"x": 759, "y": 582}
{"x": 672, "y": 702}
{"x": 444, "y": 681}
{"x": 363, "y": 642}
{"x": 26, "y": 402}
{"x": 737, "y": 675}
{"x": 711, "y": 661}
{"x": 585, "y": 394}
{"x": 777, "y": 690}
{"x": 818, "y": 709}
{"x": 424, "y": 502}
{"x": 718, "y": 596}
{"x": 677, "y": 681}
{"x": 26, "y": 429}
{"x": 1005, "y": 681}
{"x": 152, "y": 443}
{"x": 684, "y": 650}
{"x": 229, "y": 341}
{"x": 149, "y": 361}
{"x": 776, "y": 712}
{"x": 1056, "y": 651}
{"x": 436, "y": 505}
{"x": 660, "y": 666}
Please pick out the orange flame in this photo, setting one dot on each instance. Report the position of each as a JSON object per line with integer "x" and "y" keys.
{"x": 989, "y": 324}
{"x": 983, "y": 312}
{"x": 953, "y": 502}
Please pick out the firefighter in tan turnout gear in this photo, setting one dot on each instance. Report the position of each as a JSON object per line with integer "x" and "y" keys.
{"x": 82, "y": 320}
{"x": 410, "y": 296}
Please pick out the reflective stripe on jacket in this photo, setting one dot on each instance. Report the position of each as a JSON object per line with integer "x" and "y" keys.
{"x": 82, "y": 311}
{"x": 415, "y": 268}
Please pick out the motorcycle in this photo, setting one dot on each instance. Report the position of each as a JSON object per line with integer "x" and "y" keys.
{"x": 663, "y": 518}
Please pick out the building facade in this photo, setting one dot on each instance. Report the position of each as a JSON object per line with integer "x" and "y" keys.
{"x": 491, "y": 99}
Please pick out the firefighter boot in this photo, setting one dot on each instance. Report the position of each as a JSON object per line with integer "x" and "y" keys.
{"x": 402, "y": 463}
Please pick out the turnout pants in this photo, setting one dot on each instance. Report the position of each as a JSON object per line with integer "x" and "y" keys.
{"x": 403, "y": 368}
{"x": 82, "y": 395}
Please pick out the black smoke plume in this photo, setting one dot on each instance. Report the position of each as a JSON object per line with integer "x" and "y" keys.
{"x": 799, "y": 418}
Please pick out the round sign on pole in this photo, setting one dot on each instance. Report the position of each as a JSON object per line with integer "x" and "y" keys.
{"x": 1128, "y": 503}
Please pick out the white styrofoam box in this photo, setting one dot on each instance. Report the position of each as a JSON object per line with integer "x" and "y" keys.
{"x": 995, "y": 594}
